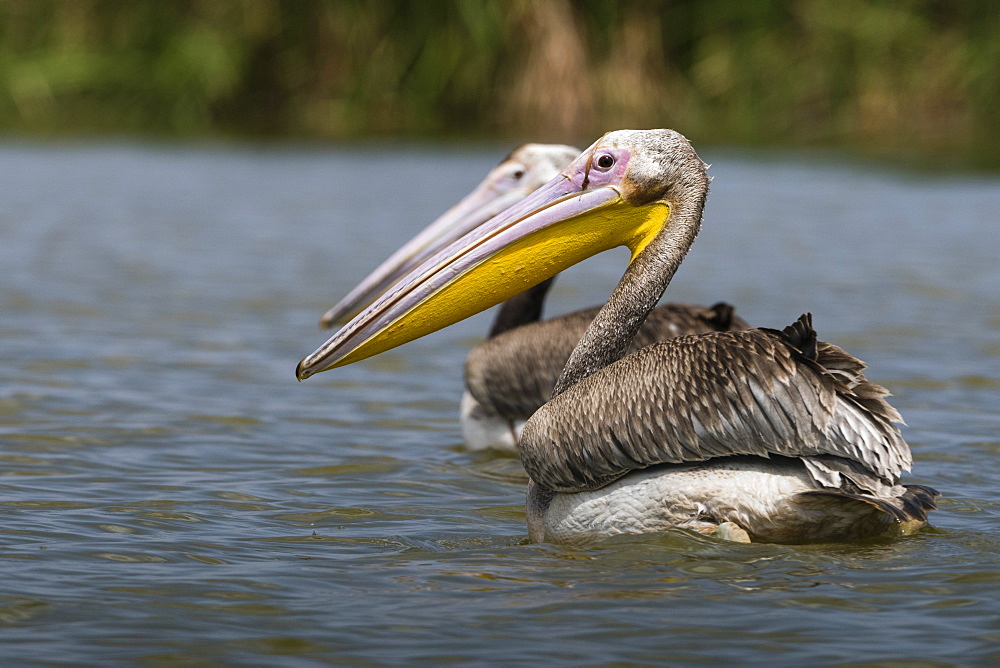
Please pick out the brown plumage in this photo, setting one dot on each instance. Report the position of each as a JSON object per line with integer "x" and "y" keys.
{"x": 753, "y": 392}
{"x": 511, "y": 374}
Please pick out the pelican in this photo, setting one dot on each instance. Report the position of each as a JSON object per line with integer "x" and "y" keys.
{"x": 511, "y": 375}
{"x": 756, "y": 435}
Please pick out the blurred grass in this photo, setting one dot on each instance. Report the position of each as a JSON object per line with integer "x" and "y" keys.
{"x": 912, "y": 78}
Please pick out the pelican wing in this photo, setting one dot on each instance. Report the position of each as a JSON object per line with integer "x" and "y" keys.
{"x": 755, "y": 392}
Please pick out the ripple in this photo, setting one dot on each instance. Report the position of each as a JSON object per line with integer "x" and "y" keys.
{"x": 131, "y": 558}
{"x": 162, "y": 467}
{"x": 15, "y": 610}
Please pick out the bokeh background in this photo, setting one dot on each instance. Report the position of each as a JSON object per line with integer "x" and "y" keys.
{"x": 913, "y": 80}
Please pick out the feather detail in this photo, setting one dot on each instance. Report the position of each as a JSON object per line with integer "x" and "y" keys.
{"x": 755, "y": 392}
{"x": 512, "y": 374}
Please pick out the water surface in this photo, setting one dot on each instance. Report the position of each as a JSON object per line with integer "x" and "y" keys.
{"x": 169, "y": 493}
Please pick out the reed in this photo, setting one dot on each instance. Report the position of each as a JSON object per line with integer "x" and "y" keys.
{"x": 901, "y": 77}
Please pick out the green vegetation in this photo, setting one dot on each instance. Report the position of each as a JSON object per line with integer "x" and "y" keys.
{"x": 904, "y": 77}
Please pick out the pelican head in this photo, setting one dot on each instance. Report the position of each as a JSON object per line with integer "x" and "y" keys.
{"x": 625, "y": 190}
{"x": 519, "y": 174}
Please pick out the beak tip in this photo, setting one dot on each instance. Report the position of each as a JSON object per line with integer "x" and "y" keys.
{"x": 329, "y": 318}
{"x": 300, "y": 371}
{"x": 337, "y": 316}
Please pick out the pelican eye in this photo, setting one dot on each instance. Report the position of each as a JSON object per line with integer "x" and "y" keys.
{"x": 518, "y": 174}
{"x": 605, "y": 162}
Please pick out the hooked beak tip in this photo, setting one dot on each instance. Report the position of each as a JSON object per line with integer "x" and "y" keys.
{"x": 300, "y": 371}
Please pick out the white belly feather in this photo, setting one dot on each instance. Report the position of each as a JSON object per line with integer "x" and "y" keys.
{"x": 484, "y": 431}
{"x": 759, "y": 495}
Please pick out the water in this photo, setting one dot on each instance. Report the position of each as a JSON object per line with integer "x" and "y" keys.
{"x": 170, "y": 494}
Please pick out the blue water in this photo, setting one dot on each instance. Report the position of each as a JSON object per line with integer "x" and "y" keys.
{"x": 170, "y": 494}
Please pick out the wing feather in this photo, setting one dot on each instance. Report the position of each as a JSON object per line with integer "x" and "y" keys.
{"x": 755, "y": 392}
